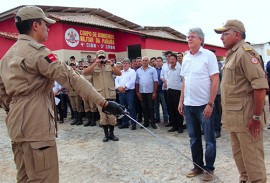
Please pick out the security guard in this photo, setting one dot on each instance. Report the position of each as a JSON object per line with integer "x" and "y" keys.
{"x": 76, "y": 101}
{"x": 243, "y": 91}
{"x": 27, "y": 74}
{"x": 90, "y": 108}
{"x": 102, "y": 71}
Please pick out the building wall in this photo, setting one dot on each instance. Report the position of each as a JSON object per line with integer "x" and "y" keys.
{"x": 5, "y": 45}
{"x": 264, "y": 51}
{"x": 68, "y": 39}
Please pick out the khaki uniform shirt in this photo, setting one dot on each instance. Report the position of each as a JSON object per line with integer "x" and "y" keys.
{"x": 72, "y": 92}
{"x": 242, "y": 73}
{"x": 27, "y": 74}
{"x": 103, "y": 81}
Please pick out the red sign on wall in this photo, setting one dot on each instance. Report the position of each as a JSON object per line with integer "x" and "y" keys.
{"x": 94, "y": 39}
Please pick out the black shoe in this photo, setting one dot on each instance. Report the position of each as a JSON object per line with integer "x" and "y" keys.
{"x": 93, "y": 123}
{"x": 133, "y": 127}
{"x": 218, "y": 134}
{"x": 172, "y": 129}
{"x": 79, "y": 122}
{"x": 145, "y": 125}
{"x": 88, "y": 123}
{"x": 61, "y": 121}
{"x": 122, "y": 126}
{"x": 157, "y": 120}
{"x": 113, "y": 138}
{"x": 106, "y": 139}
{"x": 180, "y": 130}
{"x": 153, "y": 125}
{"x": 74, "y": 122}
{"x": 268, "y": 126}
{"x": 168, "y": 124}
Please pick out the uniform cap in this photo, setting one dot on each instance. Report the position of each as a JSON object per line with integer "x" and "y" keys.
{"x": 32, "y": 12}
{"x": 231, "y": 24}
{"x": 101, "y": 53}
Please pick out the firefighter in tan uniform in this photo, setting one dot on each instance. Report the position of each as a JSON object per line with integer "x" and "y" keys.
{"x": 103, "y": 81}
{"x": 243, "y": 93}
{"x": 27, "y": 74}
{"x": 90, "y": 108}
{"x": 76, "y": 102}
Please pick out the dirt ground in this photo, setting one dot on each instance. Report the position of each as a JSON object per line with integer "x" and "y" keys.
{"x": 138, "y": 157}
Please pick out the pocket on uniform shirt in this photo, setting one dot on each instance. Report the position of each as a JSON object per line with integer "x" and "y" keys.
{"x": 235, "y": 112}
{"x": 97, "y": 72}
{"x": 44, "y": 155}
{"x": 112, "y": 92}
{"x": 229, "y": 75}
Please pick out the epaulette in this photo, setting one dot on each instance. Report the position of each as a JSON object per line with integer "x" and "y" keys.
{"x": 247, "y": 47}
{"x": 36, "y": 45}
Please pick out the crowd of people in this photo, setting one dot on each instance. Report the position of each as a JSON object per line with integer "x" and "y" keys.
{"x": 186, "y": 86}
{"x": 143, "y": 85}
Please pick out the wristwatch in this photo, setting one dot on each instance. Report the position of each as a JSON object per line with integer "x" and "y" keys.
{"x": 211, "y": 104}
{"x": 257, "y": 118}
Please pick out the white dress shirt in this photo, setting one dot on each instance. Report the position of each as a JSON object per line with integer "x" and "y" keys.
{"x": 174, "y": 79}
{"x": 127, "y": 79}
{"x": 196, "y": 70}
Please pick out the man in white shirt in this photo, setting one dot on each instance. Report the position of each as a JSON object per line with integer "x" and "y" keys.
{"x": 199, "y": 88}
{"x": 125, "y": 84}
{"x": 174, "y": 84}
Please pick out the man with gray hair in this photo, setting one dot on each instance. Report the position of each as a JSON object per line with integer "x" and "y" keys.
{"x": 199, "y": 88}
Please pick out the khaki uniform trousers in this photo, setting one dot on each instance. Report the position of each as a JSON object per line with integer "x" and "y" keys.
{"x": 36, "y": 161}
{"x": 106, "y": 119}
{"x": 76, "y": 103}
{"x": 249, "y": 156}
{"x": 89, "y": 106}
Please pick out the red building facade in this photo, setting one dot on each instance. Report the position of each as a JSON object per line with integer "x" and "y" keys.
{"x": 84, "y": 33}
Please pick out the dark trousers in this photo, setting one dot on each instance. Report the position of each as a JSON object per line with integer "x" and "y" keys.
{"x": 62, "y": 106}
{"x": 147, "y": 107}
{"x": 218, "y": 113}
{"x": 138, "y": 108}
{"x": 176, "y": 119}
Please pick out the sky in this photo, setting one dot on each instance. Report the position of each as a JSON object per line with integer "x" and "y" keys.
{"x": 180, "y": 15}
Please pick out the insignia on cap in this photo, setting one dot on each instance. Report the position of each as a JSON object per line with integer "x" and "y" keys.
{"x": 50, "y": 58}
{"x": 254, "y": 60}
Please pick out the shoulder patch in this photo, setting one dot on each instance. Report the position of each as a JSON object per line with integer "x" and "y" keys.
{"x": 36, "y": 45}
{"x": 254, "y": 60}
{"x": 247, "y": 47}
{"x": 50, "y": 58}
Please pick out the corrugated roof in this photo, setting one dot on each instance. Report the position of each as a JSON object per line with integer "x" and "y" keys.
{"x": 9, "y": 35}
{"x": 101, "y": 18}
{"x": 168, "y": 30}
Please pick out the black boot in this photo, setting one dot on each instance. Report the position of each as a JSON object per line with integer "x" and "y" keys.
{"x": 94, "y": 119}
{"x": 89, "y": 119}
{"x": 75, "y": 120}
{"x": 106, "y": 138}
{"x": 153, "y": 125}
{"x": 111, "y": 135}
{"x": 80, "y": 121}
